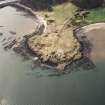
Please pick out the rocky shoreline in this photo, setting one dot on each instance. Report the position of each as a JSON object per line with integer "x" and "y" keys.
{"x": 84, "y": 62}
{"x": 21, "y": 47}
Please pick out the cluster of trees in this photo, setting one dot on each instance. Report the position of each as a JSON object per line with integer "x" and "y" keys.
{"x": 88, "y": 3}
{"x": 42, "y": 4}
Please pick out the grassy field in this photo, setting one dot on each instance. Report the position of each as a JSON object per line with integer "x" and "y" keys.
{"x": 96, "y": 15}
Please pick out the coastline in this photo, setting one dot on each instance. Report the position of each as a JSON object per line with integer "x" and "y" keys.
{"x": 20, "y": 46}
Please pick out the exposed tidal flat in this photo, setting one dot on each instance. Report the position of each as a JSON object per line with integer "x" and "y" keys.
{"x": 21, "y": 85}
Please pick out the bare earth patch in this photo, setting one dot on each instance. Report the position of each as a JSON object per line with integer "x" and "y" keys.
{"x": 96, "y": 35}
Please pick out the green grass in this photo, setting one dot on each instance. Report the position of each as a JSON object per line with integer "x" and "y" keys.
{"x": 96, "y": 15}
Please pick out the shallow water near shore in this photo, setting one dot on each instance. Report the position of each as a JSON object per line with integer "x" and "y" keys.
{"x": 19, "y": 85}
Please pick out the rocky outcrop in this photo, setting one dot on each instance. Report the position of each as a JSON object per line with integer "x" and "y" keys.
{"x": 56, "y": 50}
